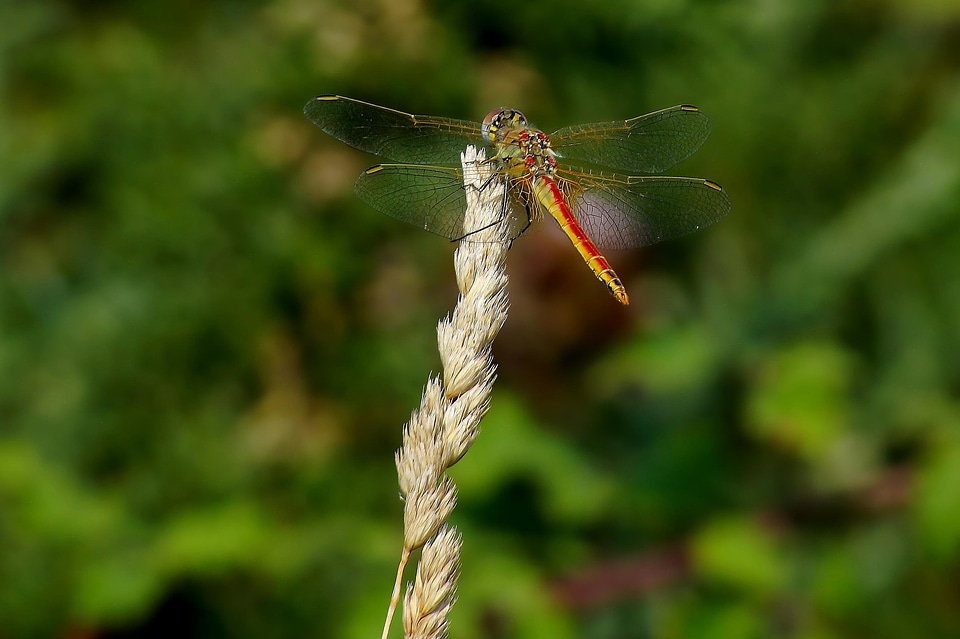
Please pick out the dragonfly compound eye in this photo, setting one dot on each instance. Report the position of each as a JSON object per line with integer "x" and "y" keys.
{"x": 517, "y": 118}
{"x": 499, "y": 119}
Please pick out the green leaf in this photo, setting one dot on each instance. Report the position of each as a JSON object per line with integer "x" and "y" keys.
{"x": 935, "y": 507}
{"x": 739, "y": 552}
{"x": 672, "y": 361}
{"x": 799, "y": 398}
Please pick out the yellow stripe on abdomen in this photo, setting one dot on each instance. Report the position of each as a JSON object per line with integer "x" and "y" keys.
{"x": 549, "y": 196}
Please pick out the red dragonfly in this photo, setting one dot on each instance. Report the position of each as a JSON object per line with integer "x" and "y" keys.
{"x": 569, "y": 174}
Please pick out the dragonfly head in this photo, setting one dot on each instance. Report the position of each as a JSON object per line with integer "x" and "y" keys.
{"x": 499, "y": 121}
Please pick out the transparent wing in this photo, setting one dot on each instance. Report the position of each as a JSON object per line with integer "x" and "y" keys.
{"x": 622, "y": 212}
{"x": 394, "y": 135}
{"x": 429, "y": 197}
{"x": 649, "y": 143}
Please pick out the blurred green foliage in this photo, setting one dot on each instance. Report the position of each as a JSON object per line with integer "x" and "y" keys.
{"x": 208, "y": 346}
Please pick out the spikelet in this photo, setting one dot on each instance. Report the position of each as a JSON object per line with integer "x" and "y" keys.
{"x": 442, "y": 429}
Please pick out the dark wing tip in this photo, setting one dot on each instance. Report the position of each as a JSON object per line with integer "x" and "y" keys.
{"x": 317, "y": 112}
{"x": 726, "y": 204}
{"x": 320, "y": 98}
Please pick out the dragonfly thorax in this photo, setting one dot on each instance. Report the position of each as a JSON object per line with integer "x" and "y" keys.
{"x": 527, "y": 152}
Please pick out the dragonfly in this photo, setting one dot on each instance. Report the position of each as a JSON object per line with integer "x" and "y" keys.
{"x": 584, "y": 176}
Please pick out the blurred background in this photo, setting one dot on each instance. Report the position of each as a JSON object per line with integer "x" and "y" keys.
{"x": 208, "y": 345}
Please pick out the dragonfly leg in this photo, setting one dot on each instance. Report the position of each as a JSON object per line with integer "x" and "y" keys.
{"x": 505, "y": 208}
{"x": 482, "y": 228}
{"x": 488, "y": 182}
{"x": 504, "y": 211}
{"x": 530, "y": 215}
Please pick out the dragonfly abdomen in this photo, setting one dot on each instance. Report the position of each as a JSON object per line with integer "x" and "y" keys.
{"x": 549, "y": 196}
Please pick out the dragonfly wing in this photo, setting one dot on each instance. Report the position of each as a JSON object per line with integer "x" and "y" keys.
{"x": 621, "y": 212}
{"x": 649, "y": 143}
{"x": 394, "y": 135}
{"x": 429, "y": 197}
